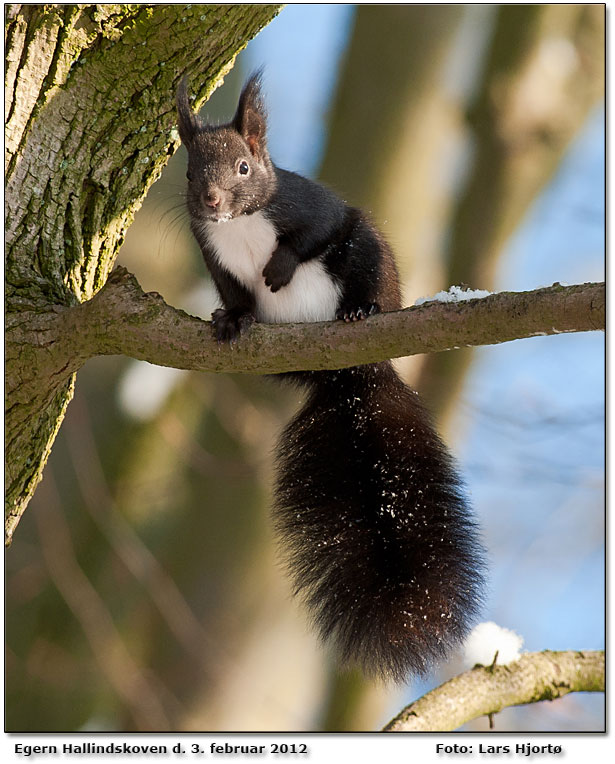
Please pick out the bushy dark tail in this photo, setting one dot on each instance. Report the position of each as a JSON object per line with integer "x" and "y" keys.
{"x": 378, "y": 537}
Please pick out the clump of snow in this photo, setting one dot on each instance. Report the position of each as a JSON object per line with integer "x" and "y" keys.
{"x": 455, "y": 294}
{"x": 488, "y": 638}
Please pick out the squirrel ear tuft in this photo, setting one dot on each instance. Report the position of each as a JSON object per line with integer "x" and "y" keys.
{"x": 188, "y": 122}
{"x": 250, "y": 119}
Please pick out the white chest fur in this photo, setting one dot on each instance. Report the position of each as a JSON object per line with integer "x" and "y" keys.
{"x": 243, "y": 247}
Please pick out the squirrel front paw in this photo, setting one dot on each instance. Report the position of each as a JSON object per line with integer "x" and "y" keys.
{"x": 229, "y": 325}
{"x": 279, "y": 272}
{"x": 346, "y": 313}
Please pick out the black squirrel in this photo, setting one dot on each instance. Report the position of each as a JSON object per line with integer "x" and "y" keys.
{"x": 370, "y": 510}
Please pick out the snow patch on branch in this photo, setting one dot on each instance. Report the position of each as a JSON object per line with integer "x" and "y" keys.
{"x": 487, "y": 639}
{"x": 455, "y": 294}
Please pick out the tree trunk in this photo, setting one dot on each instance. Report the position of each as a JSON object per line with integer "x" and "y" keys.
{"x": 90, "y": 122}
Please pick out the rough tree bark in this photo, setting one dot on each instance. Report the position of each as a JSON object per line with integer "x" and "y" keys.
{"x": 90, "y": 122}
{"x": 123, "y": 320}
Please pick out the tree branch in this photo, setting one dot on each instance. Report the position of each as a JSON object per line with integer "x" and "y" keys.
{"x": 45, "y": 347}
{"x": 122, "y": 319}
{"x": 487, "y": 690}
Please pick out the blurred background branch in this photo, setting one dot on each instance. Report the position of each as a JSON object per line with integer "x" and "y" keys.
{"x": 141, "y": 693}
{"x": 544, "y": 72}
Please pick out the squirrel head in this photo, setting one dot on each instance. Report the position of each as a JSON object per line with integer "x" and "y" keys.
{"x": 229, "y": 169}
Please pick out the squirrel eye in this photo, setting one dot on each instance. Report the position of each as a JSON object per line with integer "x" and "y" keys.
{"x": 244, "y": 168}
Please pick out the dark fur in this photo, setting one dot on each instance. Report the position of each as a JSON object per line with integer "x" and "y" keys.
{"x": 374, "y": 523}
{"x": 368, "y": 506}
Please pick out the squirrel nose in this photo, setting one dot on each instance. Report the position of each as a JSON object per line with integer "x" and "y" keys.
{"x": 213, "y": 200}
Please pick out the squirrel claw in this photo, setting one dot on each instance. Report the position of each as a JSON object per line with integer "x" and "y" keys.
{"x": 358, "y": 314}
